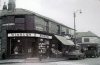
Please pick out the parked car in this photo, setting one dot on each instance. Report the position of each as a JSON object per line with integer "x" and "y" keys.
{"x": 75, "y": 54}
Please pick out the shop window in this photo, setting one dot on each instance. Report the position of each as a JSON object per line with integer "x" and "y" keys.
{"x": 86, "y": 39}
{"x": 16, "y": 46}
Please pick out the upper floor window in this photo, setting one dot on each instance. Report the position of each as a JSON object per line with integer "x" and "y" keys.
{"x": 67, "y": 31}
{"x": 19, "y": 27}
{"x": 58, "y": 29}
{"x": 19, "y": 19}
{"x": 53, "y": 28}
{"x": 19, "y": 22}
{"x": 63, "y": 31}
{"x": 40, "y": 23}
{"x": 86, "y": 39}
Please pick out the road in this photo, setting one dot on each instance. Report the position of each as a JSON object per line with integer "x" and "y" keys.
{"x": 87, "y": 61}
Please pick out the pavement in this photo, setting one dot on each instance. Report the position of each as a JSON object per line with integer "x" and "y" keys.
{"x": 48, "y": 61}
{"x": 31, "y": 60}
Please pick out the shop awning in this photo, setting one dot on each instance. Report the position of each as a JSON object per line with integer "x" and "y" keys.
{"x": 64, "y": 40}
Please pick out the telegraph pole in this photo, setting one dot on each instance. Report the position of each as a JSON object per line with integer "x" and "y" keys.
{"x": 74, "y": 28}
{"x": 74, "y": 14}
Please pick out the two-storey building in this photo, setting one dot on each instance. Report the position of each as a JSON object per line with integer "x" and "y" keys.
{"x": 24, "y": 33}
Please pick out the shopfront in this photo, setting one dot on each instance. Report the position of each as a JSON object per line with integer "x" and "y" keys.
{"x": 27, "y": 45}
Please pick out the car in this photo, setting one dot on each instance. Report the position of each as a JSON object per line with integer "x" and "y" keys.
{"x": 75, "y": 54}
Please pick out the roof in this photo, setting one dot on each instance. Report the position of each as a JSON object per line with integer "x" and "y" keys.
{"x": 20, "y": 11}
{"x": 64, "y": 40}
{"x": 86, "y": 34}
{"x": 17, "y": 11}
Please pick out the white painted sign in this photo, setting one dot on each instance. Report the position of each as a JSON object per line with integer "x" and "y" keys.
{"x": 8, "y": 24}
{"x": 21, "y": 34}
{"x": 29, "y": 35}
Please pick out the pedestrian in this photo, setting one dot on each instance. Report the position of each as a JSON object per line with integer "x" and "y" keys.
{"x": 16, "y": 50}
{"x": 47, "y": 51}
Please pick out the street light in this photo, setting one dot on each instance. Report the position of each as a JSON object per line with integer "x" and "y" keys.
{"x": 78, "y": 11}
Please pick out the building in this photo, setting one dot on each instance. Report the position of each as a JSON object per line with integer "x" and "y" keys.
{"x": 27, "y": 34}
{"x": 87, "y": 38}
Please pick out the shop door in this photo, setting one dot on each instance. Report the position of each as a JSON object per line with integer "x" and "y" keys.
{"x": 32, "y": 47}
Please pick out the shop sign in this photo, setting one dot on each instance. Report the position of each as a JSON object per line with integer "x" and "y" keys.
{"x": 29, "y": 35}
{"x": 20, "y": 34}
{"x": 8, "y": 24}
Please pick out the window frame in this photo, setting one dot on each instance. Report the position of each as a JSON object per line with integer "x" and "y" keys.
{"x": 86, "y": 40}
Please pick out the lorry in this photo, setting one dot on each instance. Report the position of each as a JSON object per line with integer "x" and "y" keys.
{"x": 91, "y": 50}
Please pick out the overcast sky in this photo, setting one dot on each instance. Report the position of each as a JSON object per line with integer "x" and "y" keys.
{"x": 62, "y": 11}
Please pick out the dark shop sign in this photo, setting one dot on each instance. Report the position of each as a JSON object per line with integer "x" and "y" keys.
{"x": 29, "y": 35}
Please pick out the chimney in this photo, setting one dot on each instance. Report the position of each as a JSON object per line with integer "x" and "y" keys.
{"x": 11, "y": 5}
{"x": 4, "y": 6}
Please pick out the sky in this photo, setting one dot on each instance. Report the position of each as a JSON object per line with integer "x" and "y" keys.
{"x": 62, "y": 11}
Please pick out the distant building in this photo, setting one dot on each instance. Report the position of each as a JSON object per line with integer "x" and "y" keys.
{"x": 27, "y": 34}
{"x": 87, "y": 39}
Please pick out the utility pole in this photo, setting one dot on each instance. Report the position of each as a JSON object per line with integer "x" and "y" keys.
{"x": 74, "y": 28}
{"x": 78, "y": 11}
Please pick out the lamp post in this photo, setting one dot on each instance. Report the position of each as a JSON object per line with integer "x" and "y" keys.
{"x": 78, "y": 11}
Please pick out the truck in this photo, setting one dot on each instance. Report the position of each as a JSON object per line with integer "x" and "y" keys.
{"x": 91, "y": 50}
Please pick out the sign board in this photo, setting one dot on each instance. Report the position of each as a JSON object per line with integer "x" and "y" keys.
{"x": 29, "y": 35}
{"x": 8, "y": 24}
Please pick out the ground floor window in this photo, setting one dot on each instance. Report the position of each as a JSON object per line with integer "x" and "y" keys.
{"x": 31, "y": 47}
{"x": 16, "y": 46}
{"x": 21, "y": 45}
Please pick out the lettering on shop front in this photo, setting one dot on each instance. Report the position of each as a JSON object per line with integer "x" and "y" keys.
{"x": 44, "y": 36}
{"x": 29, "y": 35}
{"x": 21, "y": 34}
